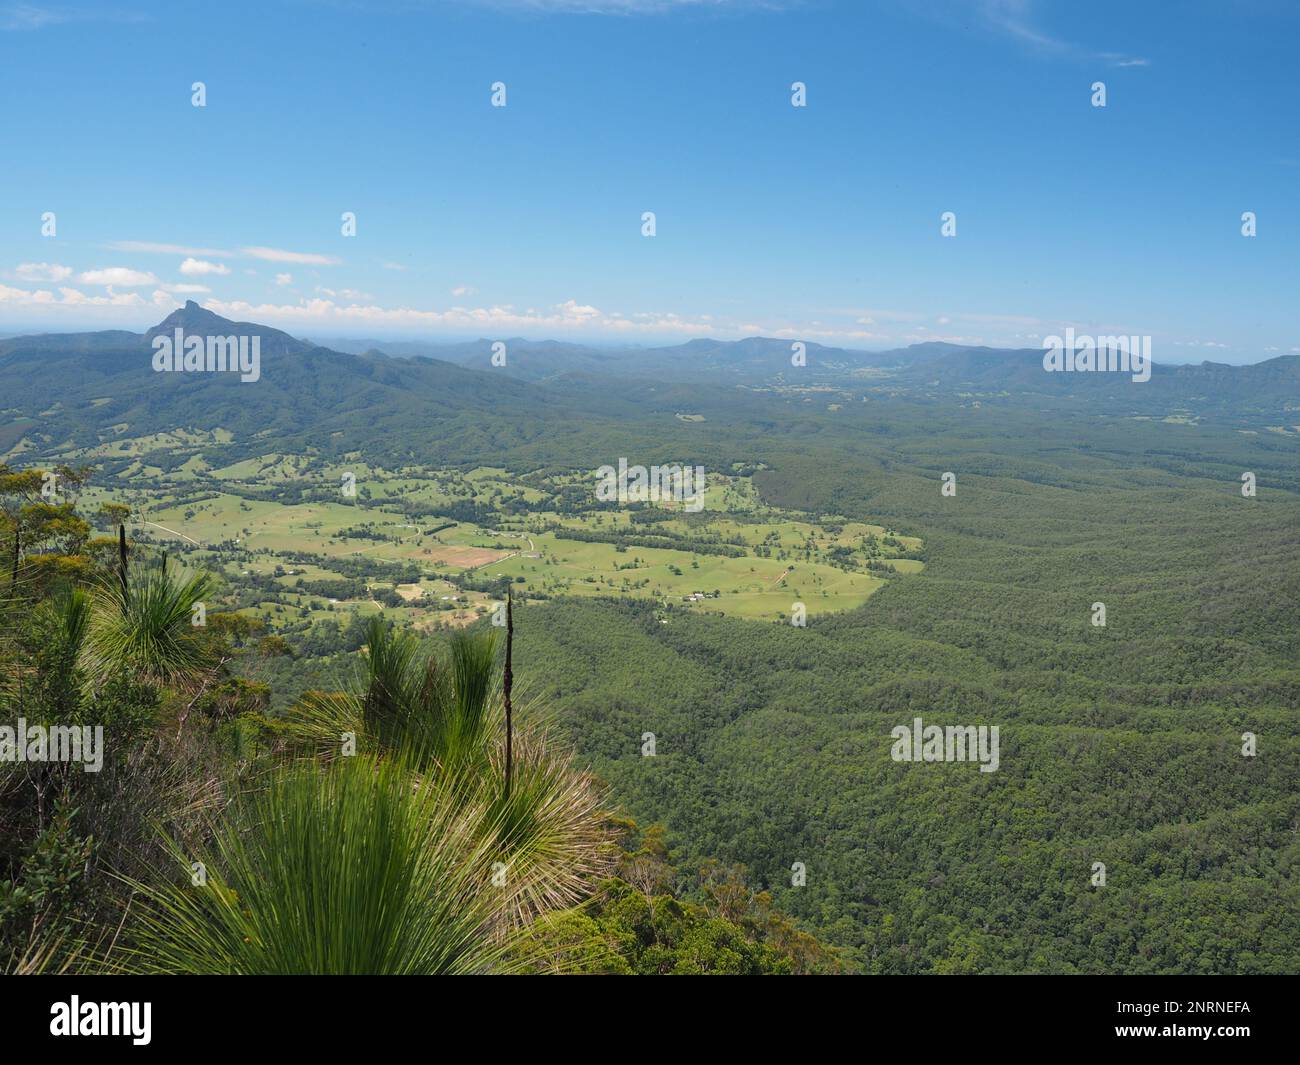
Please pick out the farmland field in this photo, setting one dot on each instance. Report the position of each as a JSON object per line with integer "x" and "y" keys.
{"x": 304, "y": 524}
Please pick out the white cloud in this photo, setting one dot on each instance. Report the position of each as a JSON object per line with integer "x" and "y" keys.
{"x": 274, "y": 255}
{"x": 278, "y": 255}
{"x": 75, "y": 297}
{"x": 573, "y": 309}
{"x": 463, "y": 290}
{"x": 42, "y": 272}
{"x": 566, "y": 316}
{"x": 345, "y": 293}
{"x": 199, "y": 267}
{"x": 19, "y": 295}
{"x": 117, "y": 275}
{"x": 167, "y": 249}
{"x": 72, "y": 299}
{"x": 184, "y": 289}
{"x": 284, "y": 279}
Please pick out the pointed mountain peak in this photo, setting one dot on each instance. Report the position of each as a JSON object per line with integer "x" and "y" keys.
{"x": 195, "y": 320}
{"x": 191, "y": 318}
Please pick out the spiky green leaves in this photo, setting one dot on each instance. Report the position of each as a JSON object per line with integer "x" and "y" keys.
{"x": 146, "y": 628}
{"x": 358, "y": 867}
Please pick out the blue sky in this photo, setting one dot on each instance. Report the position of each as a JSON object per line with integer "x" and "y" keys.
{"x": 817, "y": 223}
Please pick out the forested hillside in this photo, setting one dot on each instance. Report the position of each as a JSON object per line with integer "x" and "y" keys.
{"x": 1121, "y": 744}
{"x": 1143, "y": 816}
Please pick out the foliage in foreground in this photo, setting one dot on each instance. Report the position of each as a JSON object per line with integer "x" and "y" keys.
{"x": 361, "y": 866}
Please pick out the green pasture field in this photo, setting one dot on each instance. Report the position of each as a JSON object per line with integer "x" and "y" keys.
{"x": 786, "y": 556}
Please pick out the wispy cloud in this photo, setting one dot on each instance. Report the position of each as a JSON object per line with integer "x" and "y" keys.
{"x": 274, "y": 255}
{"x": 18, "y": 18}
{"x": 278, "y": 255}
{"x": 1022, "y": 21}
{"x": 153, "y": 247}
{"x": 352, "y": 295}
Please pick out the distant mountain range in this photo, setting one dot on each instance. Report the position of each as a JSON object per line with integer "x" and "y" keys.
{"x": 700, "y": 359}
{"x": 932, "y": 363}
{"x": 1261, "y": 393}
{"x": 70, "y": 390}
